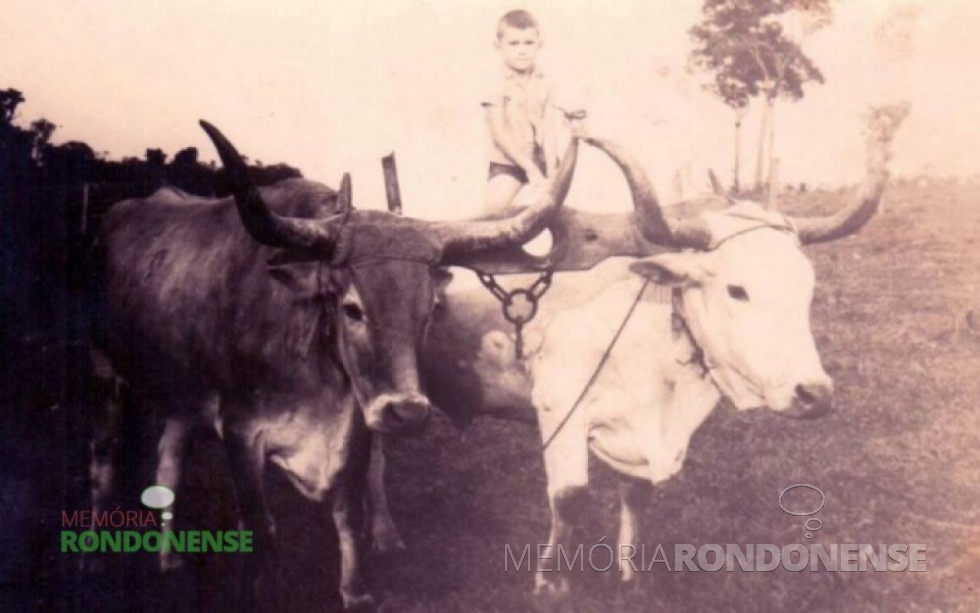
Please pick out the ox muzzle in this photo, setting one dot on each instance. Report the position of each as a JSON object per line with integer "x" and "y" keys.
{"x": 811, "y": 399}
{"x": 398, "y": 413}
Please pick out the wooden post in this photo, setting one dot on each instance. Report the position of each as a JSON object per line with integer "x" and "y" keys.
{"x": 392, "y": 191}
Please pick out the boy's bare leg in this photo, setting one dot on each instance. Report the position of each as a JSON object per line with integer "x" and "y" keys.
{"x": 500, "y": 192}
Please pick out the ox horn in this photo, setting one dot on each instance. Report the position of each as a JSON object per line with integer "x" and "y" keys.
{"x": 462, "y": 238}
{"x": 718, "y": 188}
{"x": 265, "y": 226}
{"x": 882, "y": 125}
{"x": 345, "y": 198}
{"x": 653, "y": 224}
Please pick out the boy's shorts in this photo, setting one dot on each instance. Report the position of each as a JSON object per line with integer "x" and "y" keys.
{"x": 516, "y": 171}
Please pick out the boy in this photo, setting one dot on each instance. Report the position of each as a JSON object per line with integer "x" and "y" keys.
{"x": 520, "y": 114}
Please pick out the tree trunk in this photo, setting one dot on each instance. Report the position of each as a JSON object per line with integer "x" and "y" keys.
{"x": 773, "y": 160}
{"x": 771, "y": 201}
{"x": 760, "y": 158}
{"x": 738, "y": 145}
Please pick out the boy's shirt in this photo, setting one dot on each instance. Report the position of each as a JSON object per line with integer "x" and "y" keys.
{"x": 528, "y": 116}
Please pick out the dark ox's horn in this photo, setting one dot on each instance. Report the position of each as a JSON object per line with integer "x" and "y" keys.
{"x": 320, "y": 235}
{"x": 461, "y": 238}
{"x": 314, "y": 235}
{"x": 653, "y": 224}
{"x": 882, "y": 125}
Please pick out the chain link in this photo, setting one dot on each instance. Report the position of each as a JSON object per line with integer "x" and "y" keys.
{"x": 531, "y": 295}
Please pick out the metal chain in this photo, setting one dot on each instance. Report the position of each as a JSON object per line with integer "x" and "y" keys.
{"x": 531, "y": 295}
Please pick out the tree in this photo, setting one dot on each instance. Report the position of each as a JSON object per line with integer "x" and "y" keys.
{"x": 41, "y": 130}
{"x": 156, "y": 157}
{"x": 10, "y": 99}
{"x": 186, "y": 157}
{"x": 71, "y": 162}
{"x": 735, "y": 93}
{"x": 753, "y": 49}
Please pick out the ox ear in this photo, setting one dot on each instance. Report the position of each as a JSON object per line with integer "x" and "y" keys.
{"x": 441, "y": 278}
{"x": 669, "y": 269}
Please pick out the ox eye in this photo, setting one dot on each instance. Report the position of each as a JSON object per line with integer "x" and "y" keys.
{"x": 738, "y": 292}
{"x": 353, "y": 311}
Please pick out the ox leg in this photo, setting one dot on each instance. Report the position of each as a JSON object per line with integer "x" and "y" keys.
{"x": 348, "y": 517}
{"x": 102, "y": 480}
{"x": 384, "y": 534}
{"x": 171, "y": 449}
{"x": 566, "y": 464}
{"x": 633, "y": 494}
{"x": 246, "y": 458}
{"x": 103, "y": 455}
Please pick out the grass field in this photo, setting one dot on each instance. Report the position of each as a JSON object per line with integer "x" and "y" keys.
{"x": 898, "y": 461}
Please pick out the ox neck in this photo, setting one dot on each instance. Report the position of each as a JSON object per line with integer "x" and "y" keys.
{"x": 680, "y": 328}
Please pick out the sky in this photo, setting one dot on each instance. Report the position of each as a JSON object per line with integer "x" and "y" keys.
{"x": 330, "y": 86}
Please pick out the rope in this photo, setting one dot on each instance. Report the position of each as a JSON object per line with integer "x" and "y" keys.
{"x": 598, "y": 368}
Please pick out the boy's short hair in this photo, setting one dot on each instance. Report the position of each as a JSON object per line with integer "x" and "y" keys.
{"x": 518, "y": 19}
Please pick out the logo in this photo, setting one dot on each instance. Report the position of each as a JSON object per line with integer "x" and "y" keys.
{"x": 131, "y": 530}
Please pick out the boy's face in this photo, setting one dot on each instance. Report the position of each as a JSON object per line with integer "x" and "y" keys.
{"x": 519, "y": 47}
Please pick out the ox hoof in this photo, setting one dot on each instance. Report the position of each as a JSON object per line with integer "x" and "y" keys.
{"x": 358, "y": 602}
{"x": 629, "y": 583}
{"x": 628, "y": 575}
{"x": 384, "y": 541}
{"x": 550, "y": 590}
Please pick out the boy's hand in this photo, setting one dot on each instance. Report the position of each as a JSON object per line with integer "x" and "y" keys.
{"x": 576, "y": 123}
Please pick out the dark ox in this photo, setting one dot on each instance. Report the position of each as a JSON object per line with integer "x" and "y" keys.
{"x": 291, "y": 322}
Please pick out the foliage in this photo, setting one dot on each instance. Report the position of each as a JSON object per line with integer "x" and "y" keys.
{"x": 10, "y": 99}
{"x": 51, "y": 200}
{"x": 749, "y": 47}
{"x": 31, "y": 165}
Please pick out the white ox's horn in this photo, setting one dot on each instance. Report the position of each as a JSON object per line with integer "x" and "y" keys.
{"x": 882, "y": 125}
{"x": 461, "y": 238}
{"x": 654, "y": 226}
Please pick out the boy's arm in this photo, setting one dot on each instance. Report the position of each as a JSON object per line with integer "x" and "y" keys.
{"x": 498, "y": 131}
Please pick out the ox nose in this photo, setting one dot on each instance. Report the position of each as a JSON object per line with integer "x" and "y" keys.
{"x": 814, "y": 399}
{"x": 407, "y": 415}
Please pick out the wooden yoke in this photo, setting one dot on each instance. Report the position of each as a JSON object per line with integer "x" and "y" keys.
{"x": 392, "y": 191}
{"x": 580, "y": 241}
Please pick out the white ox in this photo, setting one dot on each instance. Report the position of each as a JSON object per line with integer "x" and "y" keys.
{"x": 727, "y": 315}
{"x": 736, "y": 325}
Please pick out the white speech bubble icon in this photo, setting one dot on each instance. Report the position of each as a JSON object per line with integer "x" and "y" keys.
{"x": 157, "y": 497}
